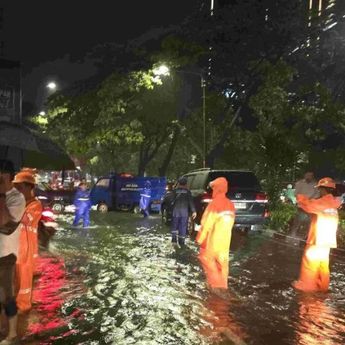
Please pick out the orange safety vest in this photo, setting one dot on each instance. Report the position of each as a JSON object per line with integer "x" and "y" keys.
{"x": 314, "y": 273}
{"x": 324, "y": 222}
{"x": 28, "y": 252}
{"x": 214, "y": 236}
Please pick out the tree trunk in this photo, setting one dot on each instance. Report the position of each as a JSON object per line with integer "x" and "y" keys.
{"x": 162, "y": 170}
{"x": 218, "y": 149}
{"x": 142, "y": 160}
{"x": 145, "y": 156}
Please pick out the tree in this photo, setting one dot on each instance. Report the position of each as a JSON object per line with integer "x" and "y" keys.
{"x": 129, "y": 114}
{"x": 240, "y": 37}
{"x": 289, "y": 125}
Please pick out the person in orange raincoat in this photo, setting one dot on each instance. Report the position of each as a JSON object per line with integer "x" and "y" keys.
{"x": 322, "y": 236}
{"x": 25, "y": 182}
{"x": 214, "y": 236}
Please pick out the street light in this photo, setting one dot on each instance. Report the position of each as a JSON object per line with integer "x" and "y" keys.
{"x": 51, "y": 85}
{"x": 42, "y": 113}
{"x": 164, "y": 70}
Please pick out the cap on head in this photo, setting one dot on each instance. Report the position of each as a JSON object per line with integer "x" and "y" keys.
{"x": 326, "y": 182}
{"x": 6, "y": 167}
{"x": 26, "y": 175}
{"x": 182, "y": 181}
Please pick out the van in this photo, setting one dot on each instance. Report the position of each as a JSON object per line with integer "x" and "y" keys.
{"x": 122, "y": 192}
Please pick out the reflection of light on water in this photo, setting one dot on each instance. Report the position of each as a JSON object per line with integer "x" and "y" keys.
{"x": 316, "y": 322}
{"x": 133, "y": 288}
{"x": 140, "y": 292}
{"x": 46, "y": 294}
{"x": 52, "y": 290}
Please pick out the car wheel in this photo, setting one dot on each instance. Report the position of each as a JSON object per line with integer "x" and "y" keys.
{"x": 57, "y": 207}
{"x": 136, "y": 209}
{"x": 103, "y": 208}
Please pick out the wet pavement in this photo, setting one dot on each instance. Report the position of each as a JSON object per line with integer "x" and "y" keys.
{"x": 121, "y": 282}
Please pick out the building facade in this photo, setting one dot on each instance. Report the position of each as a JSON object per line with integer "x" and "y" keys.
{"x": 10, "y": 80}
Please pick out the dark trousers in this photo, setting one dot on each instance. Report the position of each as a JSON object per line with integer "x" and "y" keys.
{"x": 7, "y": 295}
{"x": 179, "y": 229}
{"x": 82, "y": 212}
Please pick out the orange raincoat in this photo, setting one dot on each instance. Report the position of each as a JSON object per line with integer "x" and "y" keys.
{"x": 28, "y": 252}
{"x": 215, "y": 235}
{"x": 322, "y": 236}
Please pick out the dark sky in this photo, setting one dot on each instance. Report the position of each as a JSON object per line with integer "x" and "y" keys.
{"x": 43, "y": 30}
{"x": 48, "y": 36}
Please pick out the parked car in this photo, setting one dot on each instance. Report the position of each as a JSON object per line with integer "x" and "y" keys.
{"x": 122, "y": 192}
{"x": 58, "y": 200}
{"x": 245, "y": 192}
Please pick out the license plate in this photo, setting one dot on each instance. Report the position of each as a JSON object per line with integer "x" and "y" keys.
{"x": 240, "y": 205}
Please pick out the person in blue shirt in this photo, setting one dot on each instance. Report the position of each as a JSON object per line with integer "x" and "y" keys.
{"x": 182, "y": 205}
{"x": 83, "y": 205}
{"x": 145, "y": 198}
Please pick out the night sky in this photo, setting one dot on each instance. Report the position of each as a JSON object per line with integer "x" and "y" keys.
{"x": 50, "y": 36}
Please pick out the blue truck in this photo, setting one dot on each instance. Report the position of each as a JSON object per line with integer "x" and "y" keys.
{"x": 122, "y": 192}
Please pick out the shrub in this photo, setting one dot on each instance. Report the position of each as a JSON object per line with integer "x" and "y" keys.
{"x": 341, "y": 230}
{"x": 281, "y": 217}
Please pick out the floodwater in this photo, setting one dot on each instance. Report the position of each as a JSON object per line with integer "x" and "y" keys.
{"x": 121, "y": 282}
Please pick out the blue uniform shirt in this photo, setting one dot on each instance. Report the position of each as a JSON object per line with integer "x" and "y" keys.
{"x": 145, "y": 198}
{"x": 182, "y": 202}
{"x": 82, "y": 198}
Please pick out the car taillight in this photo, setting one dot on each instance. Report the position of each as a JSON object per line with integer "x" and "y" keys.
{"x": 267, "y": 214}
{"x": 262, "y": 197}
{"x": 206, "y": 198}
{"x": 49, "y": 214}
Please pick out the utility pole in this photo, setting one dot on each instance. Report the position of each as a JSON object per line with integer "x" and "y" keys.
{"x": 203, "y": 86}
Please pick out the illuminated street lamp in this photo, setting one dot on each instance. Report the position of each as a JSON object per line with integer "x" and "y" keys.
{"x": 164, "y": 70}
{"x": 51, "y": 85}
{"x": 42, "y": 113}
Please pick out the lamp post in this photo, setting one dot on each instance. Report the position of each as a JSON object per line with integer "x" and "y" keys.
{"x": 164, "y": 70}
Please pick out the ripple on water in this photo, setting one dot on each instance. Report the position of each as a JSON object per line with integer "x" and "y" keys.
{"x": 138, "y": 290}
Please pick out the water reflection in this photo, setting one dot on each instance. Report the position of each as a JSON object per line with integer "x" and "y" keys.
{"x": 123, "y": 283}
{"x": 316, "y": 322}
{"x": 225, "y": 325}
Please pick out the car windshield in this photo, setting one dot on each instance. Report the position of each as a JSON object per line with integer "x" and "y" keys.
{"x": 237, "y": 179}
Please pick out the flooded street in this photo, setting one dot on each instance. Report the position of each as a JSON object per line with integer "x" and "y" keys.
{"x": 121, "y": 282}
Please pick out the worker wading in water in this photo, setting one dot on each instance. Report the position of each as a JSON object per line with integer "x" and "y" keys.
{"x": 82, "y": 204}
{"x": 25, "y": 182}
{"x": 215, "y": 235}
{"x": 322, "y": 236}
{"x": 145, "y": 198}
{"x": 182, "y": 206}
